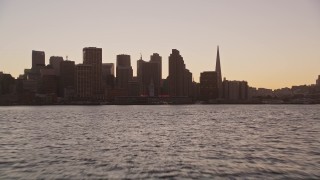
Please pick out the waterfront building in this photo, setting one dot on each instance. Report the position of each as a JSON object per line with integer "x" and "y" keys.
{"x": 209, "y": 85}
{"x": 235, "y": 90}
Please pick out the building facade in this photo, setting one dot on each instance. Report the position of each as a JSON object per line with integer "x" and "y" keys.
{"x": 177, "y": 71}
{"x": 235, "y": 90}
{"x": 93, "y": 56}
{"x": 83, "y": 81}
{"x": 55, "y": 61}
{"x": 124, "y": 72}
{"x": 148, "y": 77}
{"x": 209, "y": 88}
{"x": 156, "y": 58}
{"x": 38, "y": 60}
{"x": 108, "y": 79}
{"x": 67, "y": 77}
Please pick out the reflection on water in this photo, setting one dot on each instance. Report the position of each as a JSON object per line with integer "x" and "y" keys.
{"x": 196, "y": 141}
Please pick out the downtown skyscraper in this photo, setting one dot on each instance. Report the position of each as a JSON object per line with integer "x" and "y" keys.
{"x": 180, "y": 78}
{"x": 93, "y": 56}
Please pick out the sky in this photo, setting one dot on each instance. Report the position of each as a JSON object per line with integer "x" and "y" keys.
{"x": 269, "y": 43}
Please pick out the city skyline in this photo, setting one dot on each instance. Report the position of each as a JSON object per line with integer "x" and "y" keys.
{"x": 277, "y": 47}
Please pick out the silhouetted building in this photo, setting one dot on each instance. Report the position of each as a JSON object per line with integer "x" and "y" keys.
{"x": 318, "y": 81}
{"x": 187, "y": 83}
{"x": 235, "y": 90}
{"x": 47, "y": 70}
{"x": 48, "y": 84}
{"x": 209, "y": 85}
{"x": 83, "y": 81}
{"x": 148, "y": 77}
{"x": 30, "y": 85}
{"x": 155, "y": 57}
{"x": 67, "y": 77}
{"x": 177, "y": 72}
{"x": 107, "y": 69}
{"x": 38, "y": 60}
{"x": 93, "y": 56}
{"x": 7, "y": 83}
{"x": 124, "y": 71}
{"x": 108, "y": 78}
{"x": 49, "y": 81}
{"x": 133, "y": 88}
{"x": 55, "y": 61}
{"x": 219, "y": 75}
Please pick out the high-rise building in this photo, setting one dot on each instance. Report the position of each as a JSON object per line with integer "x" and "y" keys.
{"x": 107, "y": 69}
{"x": 179, "y": 78}
{"x": 124, "y": 71}
{"x": 219, "y": 75}
{"x": 108, "y": 78}
{"x": 83, "y": 81}
{"x": 209, "y": 85}
{"x": 187, "y": 83}
{"x": 318, "y": 81}
{"x": 48, "y": 81}
{"x": 67, "y": 77}
{"x": 148, "y": 77}
{"x": 38, "y": 60}
{"x": 93, "y": 56}
{"x": 55, "y": 61}
{"x": 155, "y": 57}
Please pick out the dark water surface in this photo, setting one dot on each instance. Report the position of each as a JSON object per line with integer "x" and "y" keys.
{"x": 193, "y": 141}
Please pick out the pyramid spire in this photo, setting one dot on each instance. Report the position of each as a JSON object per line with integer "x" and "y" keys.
{"x": 218, "y": 66}
{"x": 218, "y": 70}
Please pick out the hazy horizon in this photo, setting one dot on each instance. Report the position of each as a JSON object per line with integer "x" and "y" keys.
{"x": 271, "y": 44}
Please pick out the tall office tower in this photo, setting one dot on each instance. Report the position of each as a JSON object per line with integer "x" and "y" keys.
{"x": 83, "y": 81}
{"x": 148, "y": 77}
{"x": 155, "y": 57}
{"x": 176, "y": 74}
{"x": 93, "y": 56}
{"x": 55, "y": 61}
{"x": 107, "y": 69}
{"x": 219, "y": 75}
{"x": 208, "y": 85}
{"x": 38, "y": 60}
{"x": 124, "y": 71}
{"x": 108, "y": 75}
{"x": 66, "y": 80}
{"x": 49, "y": 81}
{"x": 187, "y": 83}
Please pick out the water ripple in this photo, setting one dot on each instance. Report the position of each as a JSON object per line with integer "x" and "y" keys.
{"x": 169, "y": 142}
